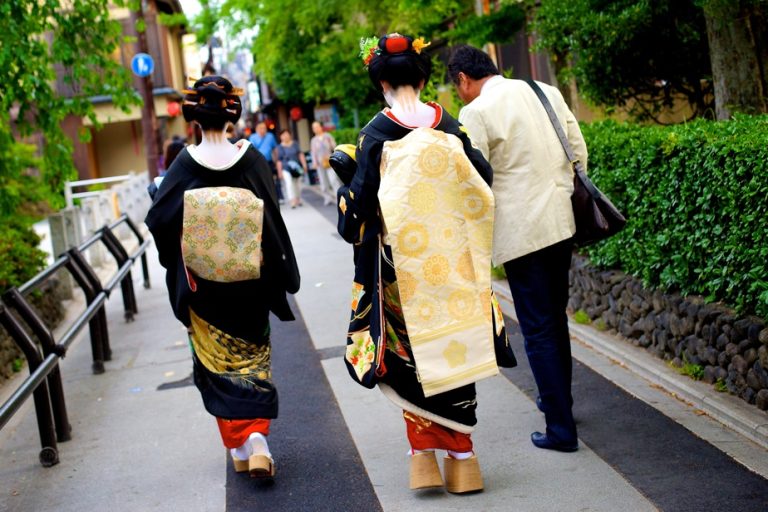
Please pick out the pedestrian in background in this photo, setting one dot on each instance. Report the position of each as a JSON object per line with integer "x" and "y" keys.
{"x": 291, "y": 167}
{"x": 172, "y": 149}
{"x": 415, "y": 276}
{"x": 321, "y": 147}
{"x": 215, "y": 212}
{"x": 264, "y": 141}
{"x": 534, "y": 226}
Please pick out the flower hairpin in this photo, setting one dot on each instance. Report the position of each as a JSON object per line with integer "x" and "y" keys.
{"x": 369, "y": 47}
{"x": 419, "y": 44}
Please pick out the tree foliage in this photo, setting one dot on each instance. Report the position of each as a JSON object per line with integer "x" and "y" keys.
{"x": 41, "y": 43}
{"x": 308, "y": 50}
{"x": 638, "y": 54}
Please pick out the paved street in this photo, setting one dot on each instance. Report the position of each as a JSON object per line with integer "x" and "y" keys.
{"x": 143, "y": 442}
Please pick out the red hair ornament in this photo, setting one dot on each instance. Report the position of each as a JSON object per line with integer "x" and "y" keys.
{"x": 397, "y": 44}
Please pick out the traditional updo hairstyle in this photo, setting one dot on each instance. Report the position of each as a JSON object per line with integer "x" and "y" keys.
{"x": 398, "y": 63}
{"x": 212, "y": 103}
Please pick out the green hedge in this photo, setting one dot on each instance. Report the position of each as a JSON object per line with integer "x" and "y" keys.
{"x": 696, "y": 198}
{"x": 20, "y": 259}
{"x": 345, "y": 135}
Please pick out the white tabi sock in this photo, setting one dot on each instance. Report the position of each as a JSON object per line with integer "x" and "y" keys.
{"x": 460, "y": 455}
{"x": 259, "y": 444}
{"x": 242, "y": 452}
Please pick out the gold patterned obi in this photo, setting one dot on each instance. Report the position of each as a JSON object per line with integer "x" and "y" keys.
{"x": 438, "y": 218}
{"x": 227, "y": 355}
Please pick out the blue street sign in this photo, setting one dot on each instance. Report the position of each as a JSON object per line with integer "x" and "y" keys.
{"x": 142, "y": 64}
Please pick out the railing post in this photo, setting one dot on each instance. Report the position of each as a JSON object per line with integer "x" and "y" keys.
{"x": 49, "y": 455}
{"x": 14, "y": 299}
{"x": 96, "y": 325}
{"x": 126, "y": 284}
{"x": 144, "y": 264}
{"x": 88, "y": 272}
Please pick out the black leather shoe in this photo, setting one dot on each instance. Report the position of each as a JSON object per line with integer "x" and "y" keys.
{"x": 540, "y": 440}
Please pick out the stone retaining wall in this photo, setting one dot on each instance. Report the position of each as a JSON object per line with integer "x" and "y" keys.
{"x": 48, "y": 304}
{"x": 731, "y": 349}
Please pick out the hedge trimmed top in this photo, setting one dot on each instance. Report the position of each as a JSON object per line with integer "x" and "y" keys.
{"x": 696, "y": 197}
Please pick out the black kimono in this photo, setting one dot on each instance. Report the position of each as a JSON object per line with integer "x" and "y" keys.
{"x": 360, "y": 224}
{"x": 232, "y": 317}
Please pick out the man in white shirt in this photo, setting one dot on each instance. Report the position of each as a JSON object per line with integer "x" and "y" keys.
{"x": 533, "y": 224}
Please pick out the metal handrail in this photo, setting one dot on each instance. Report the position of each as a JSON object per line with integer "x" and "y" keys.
{"x": 70, "y": 196}
{"x": 44, "y": 381}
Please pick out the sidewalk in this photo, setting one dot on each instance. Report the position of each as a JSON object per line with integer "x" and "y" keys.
{"x": 142, "y": 441}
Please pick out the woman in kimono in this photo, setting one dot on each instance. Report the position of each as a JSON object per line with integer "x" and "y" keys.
{"x": 443, "y": 421}
{"x": 228, "y": 322}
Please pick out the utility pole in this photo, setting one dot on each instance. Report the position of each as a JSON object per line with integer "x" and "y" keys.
{"x": 148, "y": 119}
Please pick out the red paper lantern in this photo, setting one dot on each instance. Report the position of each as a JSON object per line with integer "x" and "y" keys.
{"x": 296, "y": 113}
{"x": 173, "y": 108}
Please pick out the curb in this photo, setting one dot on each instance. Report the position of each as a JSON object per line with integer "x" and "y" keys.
{"x": 732, "y": 412}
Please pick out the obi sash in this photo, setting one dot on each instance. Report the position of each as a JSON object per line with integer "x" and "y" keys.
{"x": 438, "y": 218}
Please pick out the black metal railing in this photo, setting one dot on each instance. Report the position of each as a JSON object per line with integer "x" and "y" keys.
{"x": 44, "y": 381}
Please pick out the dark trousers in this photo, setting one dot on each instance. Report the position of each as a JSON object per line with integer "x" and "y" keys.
{"x": 539, "y": 285}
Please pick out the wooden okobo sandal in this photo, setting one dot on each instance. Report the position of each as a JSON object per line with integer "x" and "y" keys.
{"x": 425, "y": 473}
{"x": 462, "y": 475}
{"x": 241, "y": 466}
{"x": 261, "y": 466}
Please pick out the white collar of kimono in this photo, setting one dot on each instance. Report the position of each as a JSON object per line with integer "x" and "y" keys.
{"x": 242, "y": 145}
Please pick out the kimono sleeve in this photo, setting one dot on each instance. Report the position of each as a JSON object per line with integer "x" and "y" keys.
{"x": 358, "y": 203}
{"x": 164, "y": 221}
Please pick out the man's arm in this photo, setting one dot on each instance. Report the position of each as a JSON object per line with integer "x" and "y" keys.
{"x": 478, "y": 134}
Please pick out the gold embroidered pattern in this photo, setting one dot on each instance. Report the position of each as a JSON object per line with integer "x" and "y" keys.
{"x": 422, "y": 198}
{"x": 463, "y": 170}
{"x": 406, "y": 284}
{"x": 465, "y": 266}
{"x": 462, "y": 305}
{"x": 413, "y": 239}
{"x": 384, "y": 161}
{"x": 418, "y": 421}
{"x": 436, "y": 270}
{"x": 473, "y": 204}
{"x": 455, "y": 353}
{"x": 221, "y": 233}
{"x": 434, "y": 161}
{"x": 223, "y": 354}
{"x": 485, "y": 303}
{"x": 426, "y": 309}
{"x": 440, "y": 283}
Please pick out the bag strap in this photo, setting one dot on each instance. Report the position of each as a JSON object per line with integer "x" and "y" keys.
{"x": 576, "y": 164}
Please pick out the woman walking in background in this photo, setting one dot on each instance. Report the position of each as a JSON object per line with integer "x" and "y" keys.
{"x": 229, "y": 260}
{"x": 321, "y": 147}
{"x": 292, "y": 165}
